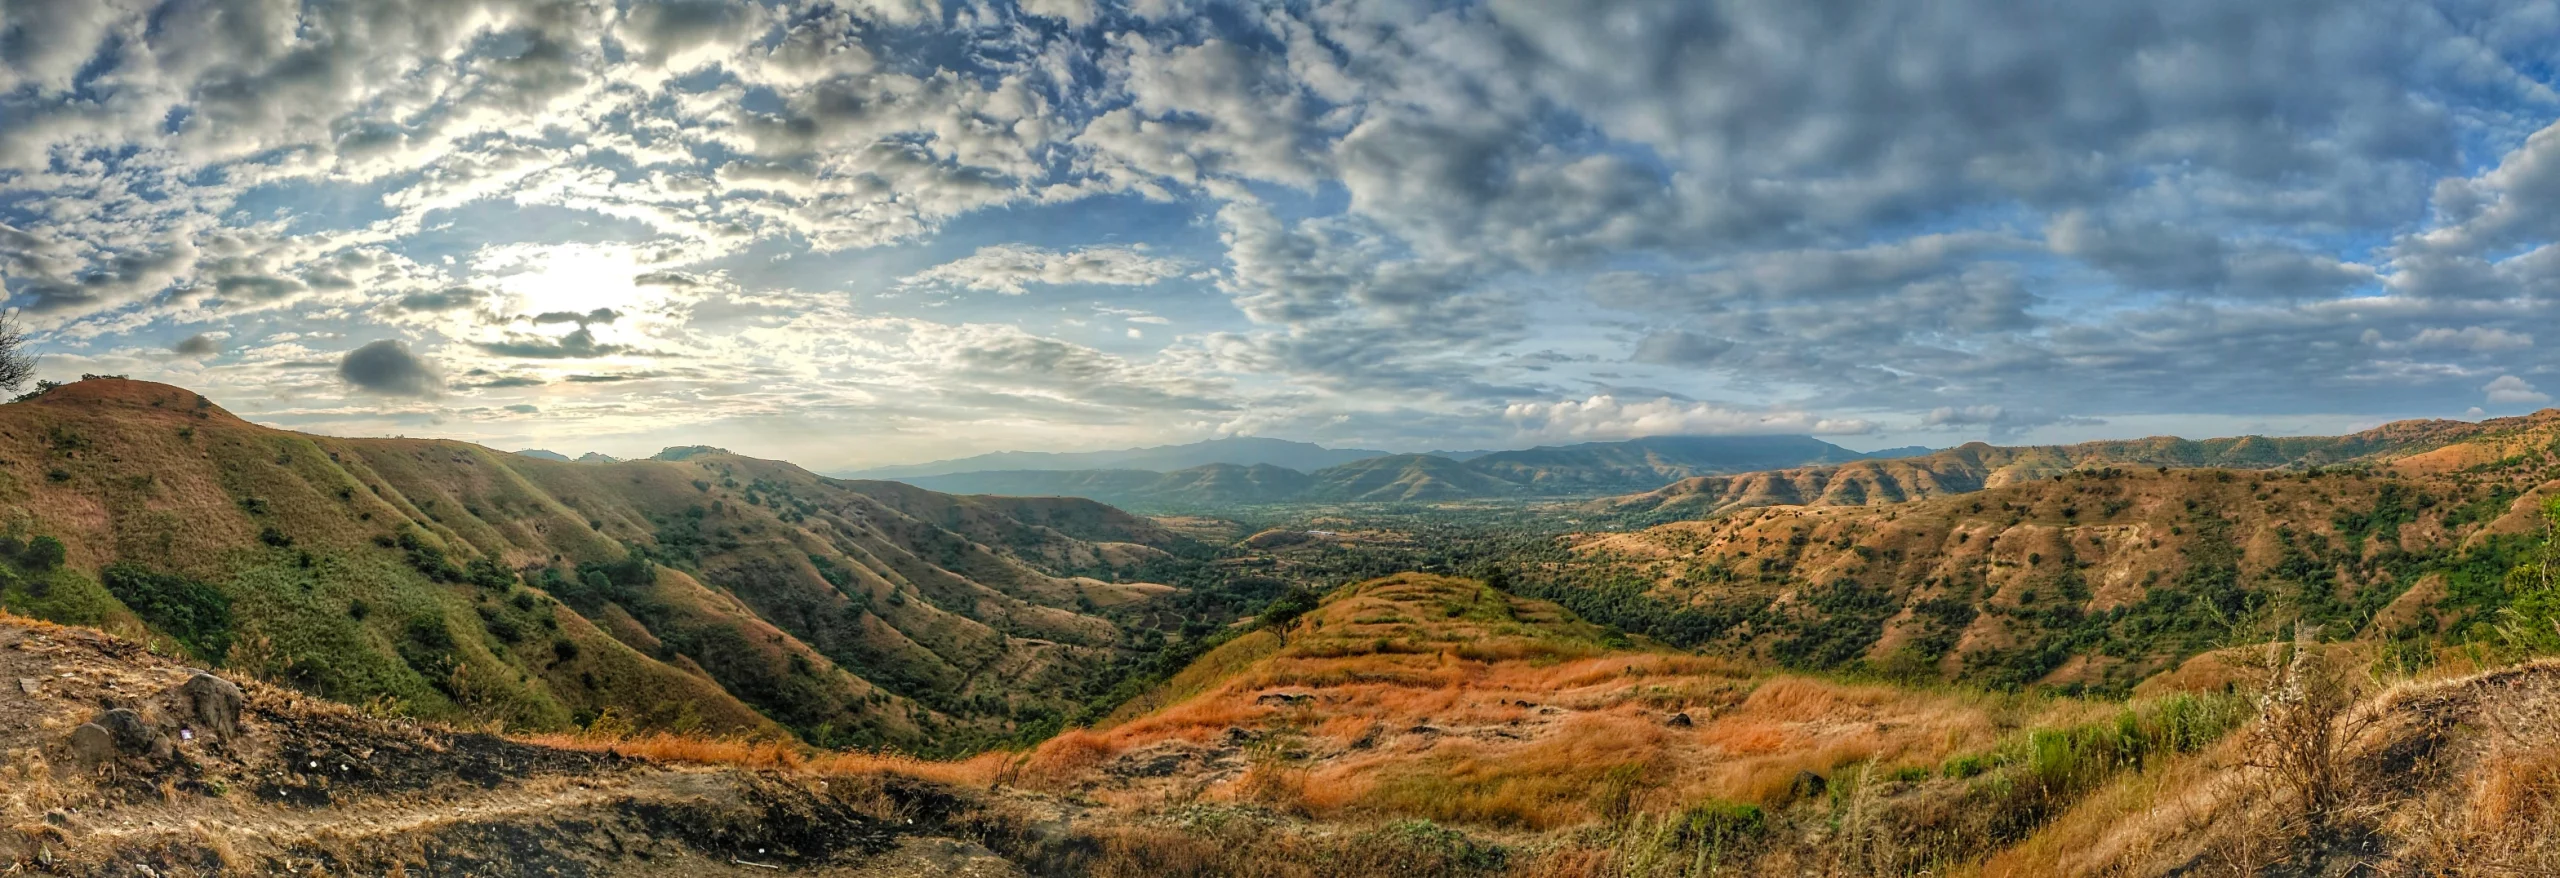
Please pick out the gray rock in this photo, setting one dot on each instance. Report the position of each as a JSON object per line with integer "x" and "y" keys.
{"x": 135, "y": 736}
{"x": 214, "y": 703}
{"x": 93, "y": 743}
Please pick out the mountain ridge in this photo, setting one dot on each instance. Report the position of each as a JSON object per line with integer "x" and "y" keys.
{"x": 1581, "y": 469}
{"x": 1237, "y": 450}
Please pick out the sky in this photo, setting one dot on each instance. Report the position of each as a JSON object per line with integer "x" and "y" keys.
{"x": 860, "y": 233}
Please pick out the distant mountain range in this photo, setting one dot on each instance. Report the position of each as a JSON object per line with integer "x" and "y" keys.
{"x": 1587, "y": 469}
{"x": 589, "y": 457}
{"x": 1977, "y": 466}
{"x": 1239, "y": 450}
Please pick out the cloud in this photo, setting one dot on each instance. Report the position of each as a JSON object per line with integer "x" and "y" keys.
{"x": 600, "y": 316}
{"x": 1010, "y": 268}
{"x": 578, "y": 344}
{"x": 2158, "y": 255}
{"x": 2511, "y": 390}
{"x": 1679, "y": 347}
{"x": 1381, "y": 217}
{"x": 1607, "y": 417}
{"x": 197, "y": 345}
{"x": 2472, "y": 339}
{"x": 447, "y": 299}
{"x": 2002, "y": 423}
{"x": 386, "y": 367}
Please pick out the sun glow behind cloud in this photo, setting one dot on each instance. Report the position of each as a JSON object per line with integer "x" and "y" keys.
{"x": 569, "y": 278}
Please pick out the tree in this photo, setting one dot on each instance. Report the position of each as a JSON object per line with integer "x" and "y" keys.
{"x": 16, "y": 365}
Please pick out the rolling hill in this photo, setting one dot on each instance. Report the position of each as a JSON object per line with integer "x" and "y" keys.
{"x": 703, "y": 590}
{"x": 1586, "y": 469}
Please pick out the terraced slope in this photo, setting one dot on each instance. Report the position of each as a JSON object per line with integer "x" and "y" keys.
{"x": 705, "y": 591}
{"x": 1976, "y": 466}
{"x": 2096, "y": 577}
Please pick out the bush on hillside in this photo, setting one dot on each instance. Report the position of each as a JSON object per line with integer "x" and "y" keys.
{"x": 198, "y": 615}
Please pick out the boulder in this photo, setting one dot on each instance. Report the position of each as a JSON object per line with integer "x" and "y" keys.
{"x": 135, "y": 736}
{"x": 1807, "y": 785}
{"x": 214, "y": 703}
{"x": 1680, "y": 720}
{"x": 93, "y": 744}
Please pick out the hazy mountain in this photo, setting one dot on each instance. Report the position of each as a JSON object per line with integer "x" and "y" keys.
{"x": 544, "y": 455}
{"x": 1212, "y": 485}
{"x": 1404, "y": 478}
{"x": 1240, "y": 450}
{"x": 1586, "y": 469}
{"x": 1657, "y": 460}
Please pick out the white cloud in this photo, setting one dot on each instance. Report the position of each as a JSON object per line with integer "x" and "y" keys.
{"x": 2511, "y": 390}
{"x": 1607, "y": 417}
{"x": 1011, "y": 268}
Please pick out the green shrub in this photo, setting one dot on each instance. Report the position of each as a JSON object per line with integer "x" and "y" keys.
{"x": 197, "y": 615}
{"x": 1965, "y": 766}
{"x": 42, "y": 555}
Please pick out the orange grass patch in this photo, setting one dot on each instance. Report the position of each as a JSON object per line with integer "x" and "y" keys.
{"x": 980, "y": 770}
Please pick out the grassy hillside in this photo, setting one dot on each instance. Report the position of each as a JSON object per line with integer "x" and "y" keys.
{"x": 441, "y": 579}
{"x": 1976, "y": 466}
{"x": 2097, "y": 577}
{"x": 1419, "y": 722}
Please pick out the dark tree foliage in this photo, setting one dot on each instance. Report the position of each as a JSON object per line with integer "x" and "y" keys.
{"x": 17, "y": 365}
{"x": 197, "y": 615}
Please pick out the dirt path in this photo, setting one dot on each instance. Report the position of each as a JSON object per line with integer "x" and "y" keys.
{"x": 305, "y": 787}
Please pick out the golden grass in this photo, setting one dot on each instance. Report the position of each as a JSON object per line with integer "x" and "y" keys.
{"x": 1480, "y": 714}
{"x": 776, "y": 755}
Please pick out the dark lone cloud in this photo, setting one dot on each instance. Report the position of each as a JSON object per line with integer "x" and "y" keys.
{"x": 449, "y": 299}
{"x": 386, "y": 367}
{"x": 196, "y": 345}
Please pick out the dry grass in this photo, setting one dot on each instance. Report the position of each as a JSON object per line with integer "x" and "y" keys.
{"x": 1427, "y": 697}
{"x": 775, "y": 755}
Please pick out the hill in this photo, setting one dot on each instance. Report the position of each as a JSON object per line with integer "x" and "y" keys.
{"x": 1976, "y": 466}
{"x": 1236, "y": 450}
{"x": 446, "y": 580}
{"x": 2098, "y": 577}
